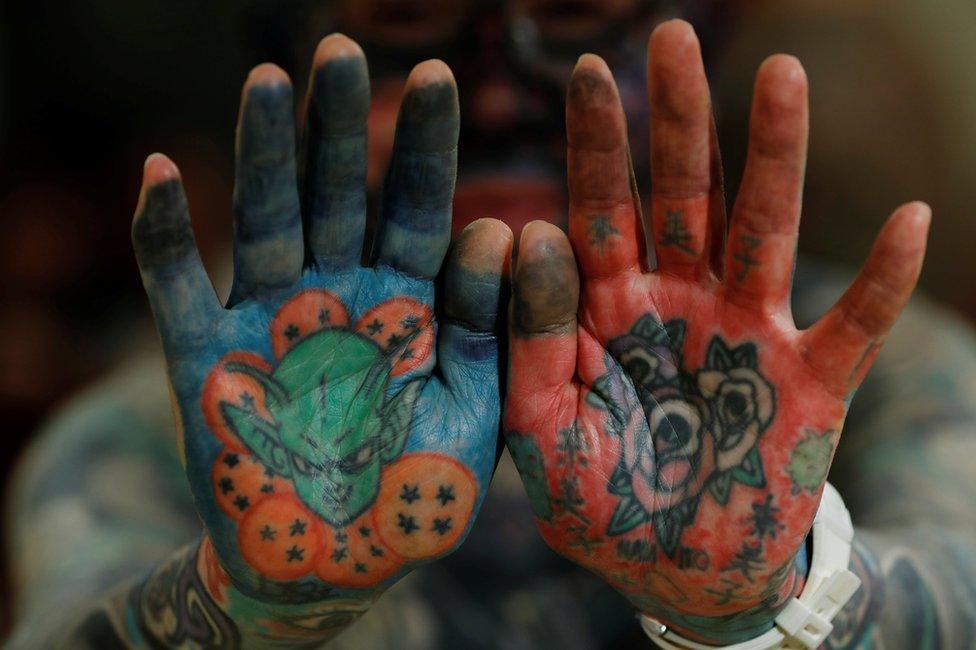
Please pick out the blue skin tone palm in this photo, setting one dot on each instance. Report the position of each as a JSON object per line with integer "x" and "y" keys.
{"x": 300, "y": 226}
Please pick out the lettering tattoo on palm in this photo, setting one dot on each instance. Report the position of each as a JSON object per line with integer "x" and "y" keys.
{"x": 672, "y": 426}
{"x": 338, "y": 427}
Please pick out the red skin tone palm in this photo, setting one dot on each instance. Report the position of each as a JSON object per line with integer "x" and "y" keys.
{"x": 572, "y": 297}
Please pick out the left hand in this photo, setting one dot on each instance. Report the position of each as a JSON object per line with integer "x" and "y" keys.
{"x": 674, "y": 431}
{"x": 338, "y": 426}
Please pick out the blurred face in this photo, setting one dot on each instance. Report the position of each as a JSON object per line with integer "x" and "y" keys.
{"x": 511, "y": 60}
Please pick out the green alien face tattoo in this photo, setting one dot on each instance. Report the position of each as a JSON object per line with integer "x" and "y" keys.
{"x": 313, "y": 467}
{"x": 326, "y": 417}
{"x": 332, "y": 428}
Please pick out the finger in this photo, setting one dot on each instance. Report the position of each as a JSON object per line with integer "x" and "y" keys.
{"x": 604, "y": 223}
{"x": 414, "y": 229}
{"x": 334, "y": 154}
{"x": 476, "y": 276}
{"x": 762, "y": 237}
{"x": 180, "y": 293}
{"x": 268, "y": 248}
{"x": 842, "y": 345}
{"x": 545, "y": 298}
{"x": 686, "y": 191}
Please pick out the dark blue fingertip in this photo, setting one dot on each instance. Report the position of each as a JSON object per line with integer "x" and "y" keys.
{"x": 266, "y": 200}
{"x": 268, "y": 248}
{"x": 161, "y": 233}
{"x": 475, "y": 299}
{"x": 414, "y": 230}
{"x": 180, "y": 292}
{"x": 545, "y": 296}
{"x": 424, "y": 165}
{"x": 334, "y": 162}
{"x": 340, "y": 96}
{"x": 429, "y": 117}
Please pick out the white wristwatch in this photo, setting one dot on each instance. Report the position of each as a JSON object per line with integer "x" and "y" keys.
{"x": 805, "y": 622}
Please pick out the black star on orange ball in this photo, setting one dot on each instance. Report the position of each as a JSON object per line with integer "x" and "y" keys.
{"x": 268, "y": 533}
{"x": 295, "y": 554}
{"x": 226, "y": 485}
{"x": 242, "y": 502}
{"x": 231, "y": 460}
{"x": 291, "y": 332}
{"x": 441, "y": 526}
{"x": 297, "y": 528}
{"x": 410, "y": 494}
{"x": 410, "y": 322}
{"x": 408, "y": 524}
{"x": 445, "y": 494}
{"x": 375, "y": 327}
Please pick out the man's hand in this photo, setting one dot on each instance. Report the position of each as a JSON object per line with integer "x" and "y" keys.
{"x": 334, "y": 433}
{"x": 672, "y": 426}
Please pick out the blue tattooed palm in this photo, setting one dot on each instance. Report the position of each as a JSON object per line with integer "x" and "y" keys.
{"x": 324, "y": 383}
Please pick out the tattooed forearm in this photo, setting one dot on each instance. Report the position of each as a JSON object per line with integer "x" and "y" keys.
{"x": 908, "y": 480}
{"x": 188, "y": 601}
{"x": 917, "y": 591}
{"x": 172, "y": 607}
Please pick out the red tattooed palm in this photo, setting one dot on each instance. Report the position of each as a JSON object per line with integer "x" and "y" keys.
{"x": 673, "y": 427}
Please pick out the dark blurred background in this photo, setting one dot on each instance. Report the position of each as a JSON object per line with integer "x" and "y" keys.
{"x": 88, "y": 89}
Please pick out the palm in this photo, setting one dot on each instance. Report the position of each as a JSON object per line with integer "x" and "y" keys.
{"x": 693, "y": 394}
{"x": 673, "y": 427}
{"x": 313, "y": 412}
{"x": 320, "y": 446}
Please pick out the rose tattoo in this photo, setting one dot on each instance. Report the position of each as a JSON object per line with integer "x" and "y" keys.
{"x": 693, "y": 432}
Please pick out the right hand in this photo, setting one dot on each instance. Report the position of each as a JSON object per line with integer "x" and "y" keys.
{"x": 334, "y": 435}
{"x": 672, "y": 426}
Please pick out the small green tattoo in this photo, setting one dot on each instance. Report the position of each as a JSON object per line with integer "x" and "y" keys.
{"x": 810, "y": 461}
{"x": 528, "y": 459}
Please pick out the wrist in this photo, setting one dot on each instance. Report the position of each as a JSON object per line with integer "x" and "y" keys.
{"x": 740, "y": 626}
{"x": 299, "y": 616}
{"x": 805, "y": 621}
